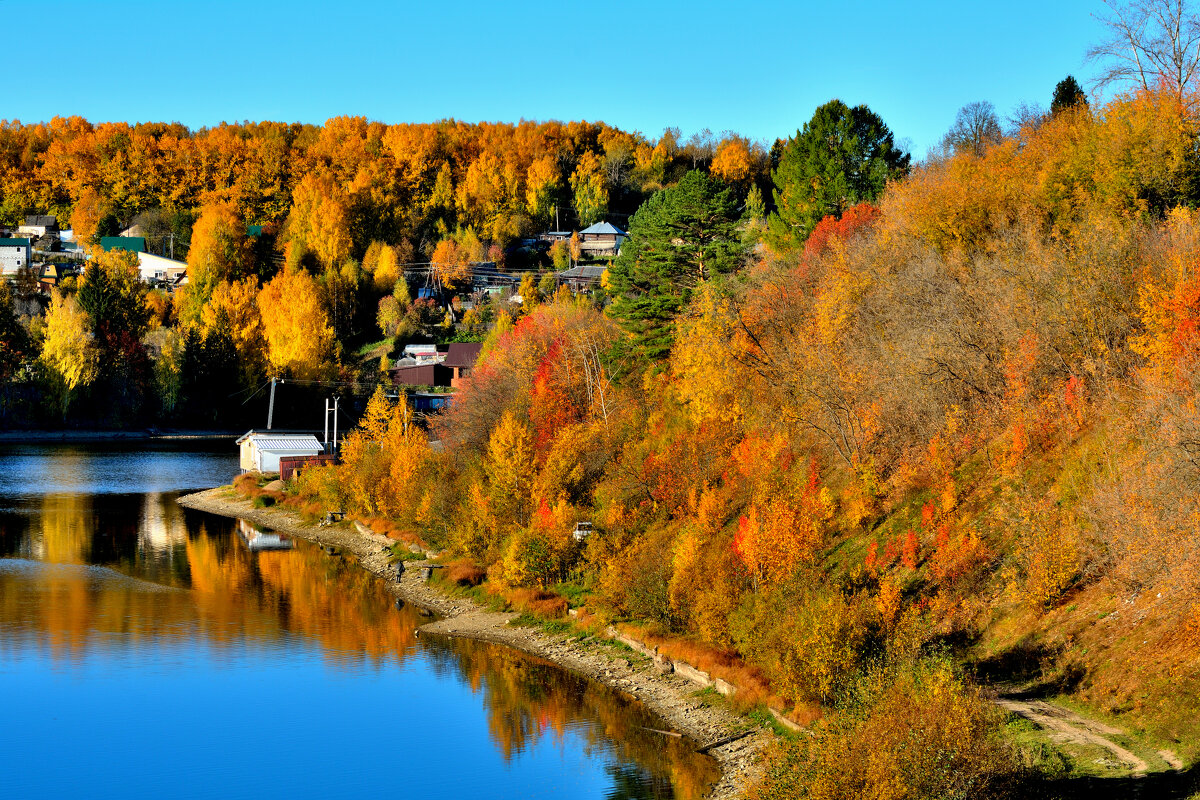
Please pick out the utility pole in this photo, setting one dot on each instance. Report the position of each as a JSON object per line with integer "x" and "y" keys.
{"x": 172, "y": 245}
{"x": 335, "y": 410}
{"x": 271, "y": 406}
{"x": 326, "y": 440}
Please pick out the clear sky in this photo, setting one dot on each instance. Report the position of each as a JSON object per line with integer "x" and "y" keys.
{"x": 758, "y": 67}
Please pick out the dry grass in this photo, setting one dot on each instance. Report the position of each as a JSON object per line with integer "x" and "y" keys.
{"x": 753, "y": 688}
{"x": 393, "y": 530}
{"x": 465, "y": 572}
{"x": 537, "y": 601}
{"x": 246, "y": 485}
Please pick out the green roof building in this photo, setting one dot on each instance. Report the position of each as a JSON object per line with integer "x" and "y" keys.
{"x": 134, "y": 244}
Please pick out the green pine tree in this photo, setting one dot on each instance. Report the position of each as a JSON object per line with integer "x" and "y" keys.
{"x": 678, "y": 238}
{"x": 843, "y": 157}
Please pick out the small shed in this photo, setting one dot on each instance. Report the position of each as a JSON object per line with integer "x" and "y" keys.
{"x": 261, "y": 450}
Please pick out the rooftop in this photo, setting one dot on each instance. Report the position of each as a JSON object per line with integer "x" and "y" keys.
{"x": 134, "y": 244}
{"x": 603, "y": 227}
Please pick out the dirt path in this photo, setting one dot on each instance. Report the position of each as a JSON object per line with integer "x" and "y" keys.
{"x": 1068, "y": 727}
{"x": 670, "y": 696}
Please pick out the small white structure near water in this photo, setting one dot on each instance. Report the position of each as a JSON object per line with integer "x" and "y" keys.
{"x": 261, "y": 450}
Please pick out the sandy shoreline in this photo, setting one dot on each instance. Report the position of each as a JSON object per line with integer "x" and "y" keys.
{"x": 671, "y": 697}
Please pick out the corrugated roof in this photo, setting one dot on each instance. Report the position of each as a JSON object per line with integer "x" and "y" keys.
{"x": 275, "y": 444}
{"x": 603, "y": 227}
{"x": 587, "y": 272}
{"x": 134, "y": 244}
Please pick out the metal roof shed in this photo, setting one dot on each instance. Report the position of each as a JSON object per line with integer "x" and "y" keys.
{"x": 261, "y": 451}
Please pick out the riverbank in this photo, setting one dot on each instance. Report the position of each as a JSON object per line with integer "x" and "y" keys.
{"x": 673, "y": 698}
{"x": 44, "y": 437}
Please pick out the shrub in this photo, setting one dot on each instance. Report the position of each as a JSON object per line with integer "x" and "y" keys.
{"x": 465, "y": 572}
{"x": 913, "y": 732}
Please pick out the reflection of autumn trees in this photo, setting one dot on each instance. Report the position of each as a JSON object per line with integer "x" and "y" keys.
{"x": 237, "y": 596}
{"x": 527, "y": 699}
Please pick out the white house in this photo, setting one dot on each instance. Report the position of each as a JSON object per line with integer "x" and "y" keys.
{"x": 14, "y": 254}
{"x": 261, "y": 450}
{"x": 157, "y": 268}
{"x": 39, "y": 225}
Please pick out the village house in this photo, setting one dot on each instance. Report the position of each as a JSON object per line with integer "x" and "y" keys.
{"x": 460, "y": 359}
{"x": 152, "y": 269}
{"x": 14, "y": 254}
{"x": 601, "y": 239}
{"x": 39, "y": 225}
{"x": 581, "y": 278}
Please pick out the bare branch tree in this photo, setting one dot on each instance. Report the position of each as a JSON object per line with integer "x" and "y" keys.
{"x": 976, "y": 127}
{"x": 1153, "y": 43}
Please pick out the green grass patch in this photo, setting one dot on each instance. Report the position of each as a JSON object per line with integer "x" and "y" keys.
{"x": 551, "y": 626}
{"x": 576, "y": 595}
{"x": 380, "y": 348}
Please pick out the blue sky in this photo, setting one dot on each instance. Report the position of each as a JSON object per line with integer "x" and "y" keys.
{"x": 757, "y": 67}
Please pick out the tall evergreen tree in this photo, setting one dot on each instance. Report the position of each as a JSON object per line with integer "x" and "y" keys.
{"x": 679, "y": 237}
{"x": 1067, "y": 94}
{"x": 843, "y": 157}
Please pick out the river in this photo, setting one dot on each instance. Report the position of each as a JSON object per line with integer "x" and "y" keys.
{"x": 151, "y": 651}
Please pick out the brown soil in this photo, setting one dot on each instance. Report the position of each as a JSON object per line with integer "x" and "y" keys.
{"x": 1068, "y": 727}
{"x": 671, "y": 697}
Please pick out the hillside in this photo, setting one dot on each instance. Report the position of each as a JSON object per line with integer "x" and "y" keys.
{"x": 946, "y": 444}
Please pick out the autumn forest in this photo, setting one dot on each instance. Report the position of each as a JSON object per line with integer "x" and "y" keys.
{"x": 869, "y": 436}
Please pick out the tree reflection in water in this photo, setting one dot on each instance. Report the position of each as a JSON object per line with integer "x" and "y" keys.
{"x": 527, "y": 698}
{"x": 116, "y": 570}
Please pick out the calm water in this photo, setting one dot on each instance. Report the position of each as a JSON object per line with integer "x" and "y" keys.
{"x": 149, "y": 651}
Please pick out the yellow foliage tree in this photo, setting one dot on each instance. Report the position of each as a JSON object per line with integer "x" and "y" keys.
{"x": 320, "y": 219}
{"x": 69, "y": 350}
{"x": 300, "y": 340}
{"x": 235, "y": 305}
{"x": 510, "y": 467}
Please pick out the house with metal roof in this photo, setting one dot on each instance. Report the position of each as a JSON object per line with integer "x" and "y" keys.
{"x": 603, "y": 238}
{"x": 14, "y": 254}
{"x": 260, "y": 451}
{"x": 580, "y": 278}
{"x": 134, "y": 244}
{"x": 461, "y": 358}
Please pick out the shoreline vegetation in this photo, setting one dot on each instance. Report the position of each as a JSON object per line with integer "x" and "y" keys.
{"x": 867, "y": 438}
{"x": 734, "y": 741}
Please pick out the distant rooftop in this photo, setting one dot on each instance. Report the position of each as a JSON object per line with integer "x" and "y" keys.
{"x": 603, "y": 227}
{"x": 134, "y": 244}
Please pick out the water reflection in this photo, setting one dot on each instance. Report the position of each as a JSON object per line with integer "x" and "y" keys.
{"x": 257, "y": 538}
{"x": 89, "y": 580}
{"x": 528, "y": 699}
